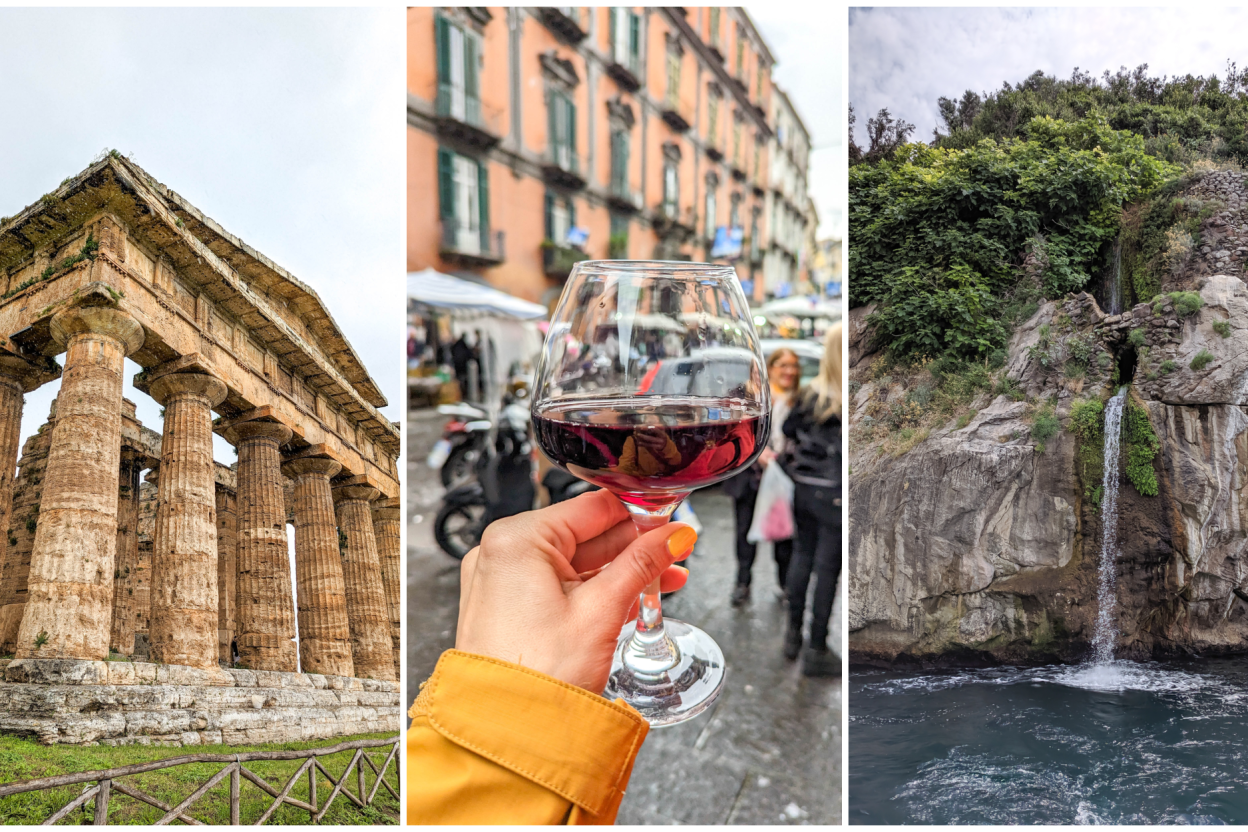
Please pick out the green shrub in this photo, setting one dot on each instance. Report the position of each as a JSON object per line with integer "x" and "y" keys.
{"x": 1087, "y": 423}
{"x": 1201, "y": 360}
{"x": 1186, "y": 303}
{"x": 1044, "y": 427}
{"x": 1140, "y": 447}
{"x": 1136, "y": 338}
{"x": 1168, "y": 367}
{"x": 1223, "y": 328}
{"x": 1104, "y": 360}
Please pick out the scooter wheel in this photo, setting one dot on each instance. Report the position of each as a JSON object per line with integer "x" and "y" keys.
{"x": 458, "y": 528}
{"x": 459, "y": 466}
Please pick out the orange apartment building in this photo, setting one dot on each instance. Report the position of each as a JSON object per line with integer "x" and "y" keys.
{"x": 538, "y": 137}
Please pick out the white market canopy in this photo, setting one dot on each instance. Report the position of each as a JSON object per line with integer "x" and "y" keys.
{"x": 800, "y": 307}
{"x": 464, "y": 298}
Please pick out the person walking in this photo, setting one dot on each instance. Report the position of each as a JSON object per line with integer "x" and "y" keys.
{"x": 461, "y": 355}
{"x": 783, "y": 373}
{"x": 813, "y": 461}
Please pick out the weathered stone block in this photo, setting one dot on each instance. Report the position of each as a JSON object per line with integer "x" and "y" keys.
{"x": 57, "y": 672}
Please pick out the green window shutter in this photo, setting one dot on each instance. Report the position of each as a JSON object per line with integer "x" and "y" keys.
{"x": 442, "y": 36}
{"x": 614, "y": 13}
{"x": 470, "y": 65}
{"x": 446, "y": 183}
{"x": 571, "y": 213}
{"x": 483, "y": 202}
{"x": 550, "y": 216}
{"x": 552, "y": 123}
{"x": 634, "y": 37}
{"x": 624, "y": 162}
{"x": 571, "y": 125}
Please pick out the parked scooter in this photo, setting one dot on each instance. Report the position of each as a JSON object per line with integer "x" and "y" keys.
{"x": 463, "y": 439}
{"x": 503, "y": 486}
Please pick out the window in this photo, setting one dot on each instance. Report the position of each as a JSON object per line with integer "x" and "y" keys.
{"x": 736, "y": 145}
{"x": 714, "y": 26}
{"x": 734, "y": 216}
{"x": 673, "y": 76}
{"x": 617, "y": 245}
{"x": 560, "y": 217}
{"x": 712, "y": 118}
{"x": 710, "y": 213}
{"x": 619, "y": 162}
{"x": 740, "y": 50}
{"x": 464, "y": 202}
{"x": 626, "y": 39}
{"x": 458, "y": 53}
{"x": 671, "y": 191}
{"x": 562, "y": 116}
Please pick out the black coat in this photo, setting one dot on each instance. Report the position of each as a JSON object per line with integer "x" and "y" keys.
{"x": 814, "y": 461}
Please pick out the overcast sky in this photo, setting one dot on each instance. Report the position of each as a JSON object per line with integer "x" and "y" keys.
{"x": 805, "y": 39}
{"x": 906, "y": 58}
{"x": 283, "y": 125}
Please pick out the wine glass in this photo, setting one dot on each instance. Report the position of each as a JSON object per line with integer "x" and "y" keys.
{"x": 651, "y": 385}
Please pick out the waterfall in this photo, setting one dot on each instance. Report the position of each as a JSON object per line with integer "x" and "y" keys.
{"x": 1115, "y": 282}
{"x": 1105, "y": 634}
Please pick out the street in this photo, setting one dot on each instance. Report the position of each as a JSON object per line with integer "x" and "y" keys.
{"x": 768, "y": 752}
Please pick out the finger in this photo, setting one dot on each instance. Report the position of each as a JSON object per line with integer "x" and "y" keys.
{"x": 563, "y": 525}
{"x": 641, "y": 563}
{"x": 467, "y": 571}
{"x": 672, "y": 579}
{"x": 596, "y": 553}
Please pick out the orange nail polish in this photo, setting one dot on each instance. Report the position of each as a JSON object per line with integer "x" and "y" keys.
{"x": 681, "y": 542}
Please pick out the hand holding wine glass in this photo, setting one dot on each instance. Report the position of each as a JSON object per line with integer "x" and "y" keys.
{"x": 536, "y": 593}
{"x": 676, "y": 401}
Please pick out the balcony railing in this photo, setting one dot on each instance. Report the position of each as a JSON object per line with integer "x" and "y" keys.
{"x": 673, "y": 113}
{"x": 624, "y": 69}
{"x": 468, "y": 246}
{"x": 621, "y": 198}
{"x": 463, "y": 117}
{"x": 564, "y": 21}
{"x": 557, "y": 261}
{"x": 562, "y": 167}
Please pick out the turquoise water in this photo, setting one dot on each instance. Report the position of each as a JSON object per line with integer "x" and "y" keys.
{"x": 1121, "y": 743}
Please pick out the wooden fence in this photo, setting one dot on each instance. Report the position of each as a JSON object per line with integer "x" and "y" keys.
{"x": 107, "y": 785}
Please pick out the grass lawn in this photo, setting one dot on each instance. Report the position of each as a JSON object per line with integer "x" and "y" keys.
{"x": 22, "y": 759}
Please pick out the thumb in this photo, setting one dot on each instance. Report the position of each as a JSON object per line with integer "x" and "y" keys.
{"x": 641, "y": 564}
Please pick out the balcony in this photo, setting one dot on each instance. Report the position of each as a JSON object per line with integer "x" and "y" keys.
{"x": 557, "y": 261}
{"x": 470, "y": 247}
{"x": 714, "y": 48}
{"x": 565, "y": 22}
{"x": 738, "y": 173}
{"x": 562, "y": 168}
{"x": 462, "y": 118}
{"x": 673, "y": 114}
{"x": 621, "y": 198}
{"x": 623, "y": 68}
{"x": 713, "y": 153}
{"x": 667, "y": 224}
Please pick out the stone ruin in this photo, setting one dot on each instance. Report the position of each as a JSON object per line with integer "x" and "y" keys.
{"x": 185, "y": 572}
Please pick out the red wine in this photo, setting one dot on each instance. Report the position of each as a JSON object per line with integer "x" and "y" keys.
{"x": 652, "y": 450}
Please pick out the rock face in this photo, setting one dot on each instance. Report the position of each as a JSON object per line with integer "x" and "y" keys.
{"x": 973, "y": 547}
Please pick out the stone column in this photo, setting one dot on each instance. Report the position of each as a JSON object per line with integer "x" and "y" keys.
{"x": 324, "y": 629}
{"x": 264, "y": 609}
{"x": 13, "y": 372}
{"x": 70, "y": 600}
{"x": 227, "y": 572}
{"x": 184, "y": 541}
{"x": 361, "y": 570}
{"x": 386, "y": 521}
{"x": 126, "y": 564}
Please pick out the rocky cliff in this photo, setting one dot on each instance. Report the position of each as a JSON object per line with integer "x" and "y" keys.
{"x": 974, "y": 523}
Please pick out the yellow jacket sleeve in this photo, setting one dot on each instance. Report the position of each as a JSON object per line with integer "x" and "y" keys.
{"x": 494, "y": 742}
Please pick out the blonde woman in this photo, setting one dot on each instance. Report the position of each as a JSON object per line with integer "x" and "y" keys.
{"x": 813, "y": 461}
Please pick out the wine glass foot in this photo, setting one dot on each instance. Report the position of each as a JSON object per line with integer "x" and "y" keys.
{"x": 679, "y": 693}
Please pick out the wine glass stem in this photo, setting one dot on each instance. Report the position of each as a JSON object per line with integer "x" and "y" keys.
{"x": 650, "y": 651}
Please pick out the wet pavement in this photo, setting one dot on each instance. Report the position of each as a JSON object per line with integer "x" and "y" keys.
{"x": 769, "y": 752}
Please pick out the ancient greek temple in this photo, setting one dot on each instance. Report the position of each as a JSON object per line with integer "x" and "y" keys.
{"x": 131, "y": 558}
